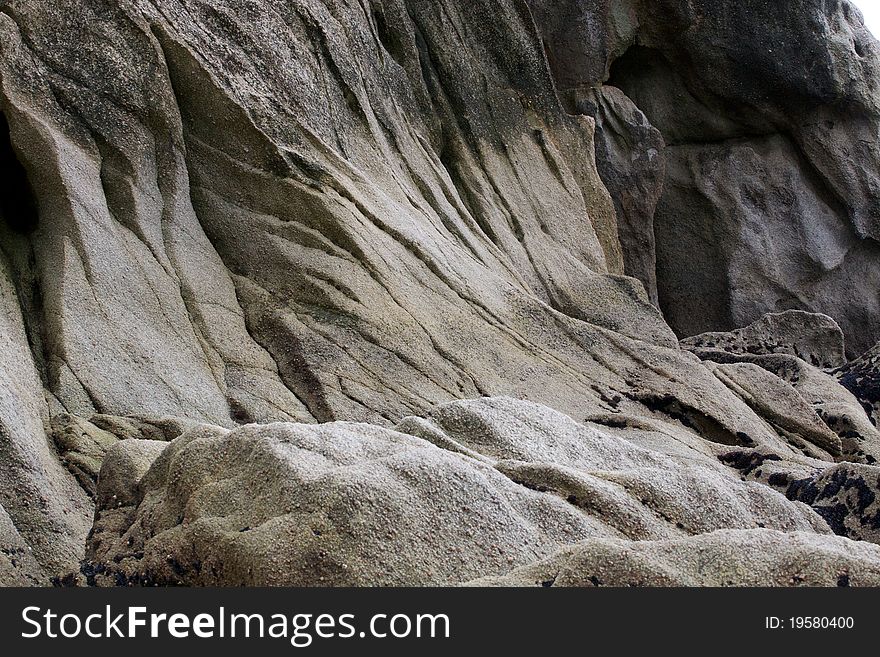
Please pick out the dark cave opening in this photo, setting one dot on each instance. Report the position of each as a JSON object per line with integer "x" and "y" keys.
{"x": 18, "y": 204}
{"x": 637, "y": 60}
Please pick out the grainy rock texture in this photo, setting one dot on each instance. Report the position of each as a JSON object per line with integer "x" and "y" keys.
{"x": 845, "y": 495}
{"x": 83, "y": 444}
{"x": 483, "y": 487}
{"x": 44, "y": 514}
{"x": 846, "y": 409}
{"x": 769, "y": 113}
{"x": 816, "y": 339}
{"x": 862, "y": 378}
{"x": 630, "y": 158}
{"x": 370, "y": 291}
{"x": 723, "y": 558}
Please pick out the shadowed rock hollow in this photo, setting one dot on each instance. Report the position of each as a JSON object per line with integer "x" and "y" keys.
{"x": 768, "y": 114}
{"x": 417, "y": 249}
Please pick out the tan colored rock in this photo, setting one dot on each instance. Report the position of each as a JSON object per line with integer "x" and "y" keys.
{"x": 18, "y": 567}
{"x": 45, "y": 514}
{"x": 124, "y": 465}
{"x": 838, "y": 408}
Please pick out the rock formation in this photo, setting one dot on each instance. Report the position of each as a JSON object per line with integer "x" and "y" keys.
{"x": 724, "y": 558}
{"x": 769, "y": 114}
{"x": 391, "y": 291}
{"x": 476, "y": 488}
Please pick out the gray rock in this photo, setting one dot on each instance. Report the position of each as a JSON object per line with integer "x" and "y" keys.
{"x": 778, "y": 402}
{"x": 723, "y": 558}
{"x": 631, "y": 159}
{"x": 814, "y": 338}
{"x": 770, "y": 114}
{"x": 338, "y": 504}
{"x": 840, "y": 409}
{"x": 245, "y": 213}
{"x": 349, "y": 504}
{"x": 862, "y": 378}
{"x": 846, "y": 496}
{"x": 585, "y": 37}
{"x": 743, "y": 230}
{"x": 45, "y": 514}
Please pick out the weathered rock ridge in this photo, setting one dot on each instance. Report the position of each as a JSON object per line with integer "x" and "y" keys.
{"x": 338, "y": 292}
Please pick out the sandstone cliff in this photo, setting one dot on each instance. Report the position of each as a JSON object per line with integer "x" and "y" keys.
{"x": 391, "y": 291}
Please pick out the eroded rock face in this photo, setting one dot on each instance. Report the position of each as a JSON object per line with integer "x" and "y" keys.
{"x": 862, "y": 378}
{"x": 244, "y": 213}
{"x": 845, "y": 495}
{"x": 309, "y": 229}
{"x": 814, "y": 338}
{"x": 769, "y": 112}
{"x": 770, "y": 344}
{"x": 44, "y": 514}
{"x": 631, "y": 159}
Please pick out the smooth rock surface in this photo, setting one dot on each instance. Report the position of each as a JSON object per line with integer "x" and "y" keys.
{"x": 631, "y": 159}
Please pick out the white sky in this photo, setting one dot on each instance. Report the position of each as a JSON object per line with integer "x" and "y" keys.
{"x": 871, "y": 12}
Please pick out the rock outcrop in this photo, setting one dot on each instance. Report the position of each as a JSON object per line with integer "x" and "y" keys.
{"x": 44, "y": 514}
{"x": 845, "y": 495}
{"x": 477, "y": 488}
{"x": 772, "y": 344}
{"x": 769, "y": 115}
{"x": 631, "y": 160}
{"x": 370, "y": 292}
{"x": 83, "y": 444}
{"x": 724, "y": 558}
{"x": 816, "y": 339}
{"x": 862, "y": 378}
